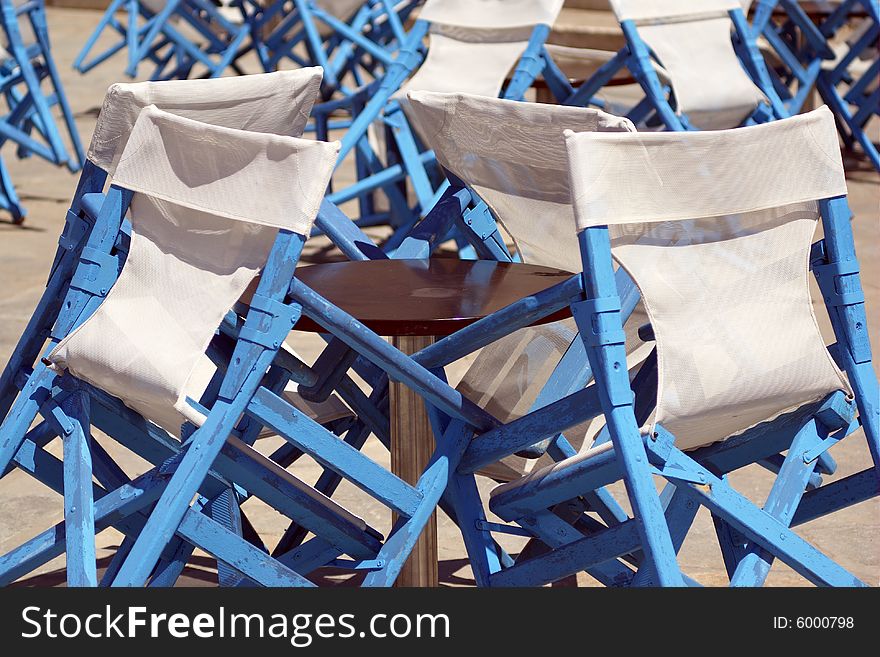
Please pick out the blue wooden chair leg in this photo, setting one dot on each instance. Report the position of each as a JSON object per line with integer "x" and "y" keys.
{"x": 787, "y": 491}
{"x": 72, "y": 419}
{"x": 680, "y": 513}
{"x": 116, "y": 562}
{"x": 754, "y": 524}
{"x": 431, "y": 485}
{"x": 839, "y": 279}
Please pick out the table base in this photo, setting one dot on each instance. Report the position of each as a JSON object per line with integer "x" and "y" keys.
{"x": 412, "y": 444}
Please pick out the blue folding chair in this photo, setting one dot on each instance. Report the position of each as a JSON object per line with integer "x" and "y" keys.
{"x": 740, "y": 372}
{"x": 795, "y": 46}
{"x": 354, "y": 41}
{"x": 164, "y": 156}
{"x": 503, "y": 39}
{"x": 28, "y": 61}
{"x": 698, "y": 66}
{"x": 273, "y": 103}
{"x": 183, "y": 38}
{"x": 277, "y": 103}
{"x": 848, "y": 83}
{"x": 161, "y": 158}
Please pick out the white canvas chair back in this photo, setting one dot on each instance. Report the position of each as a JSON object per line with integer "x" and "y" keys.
{"x": 692, "y": 40}
{"x": 513, "y": 155}
{"x": 207, "y": 206}
{"x": 474, "y": 44}
{"x": 716, "y": 228}
{"x": 275, "y": 103}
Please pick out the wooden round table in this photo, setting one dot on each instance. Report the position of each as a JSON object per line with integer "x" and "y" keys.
{"x": 414, "y": 302}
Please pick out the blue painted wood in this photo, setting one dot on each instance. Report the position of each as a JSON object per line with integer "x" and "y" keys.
{"x": 548, "y": 421}
{"x": 399, "y": 366}
{"x": 846, "y": 97}
{"x": 782, "y": 502}
{"x": 481, "y": 548}
{"x": 756, "y": 525}
{"x": 106, "y": 471}
{"x": 250, "y": 360}
{"x": 530, "y": 66}
{"x": 602, "y": 332}
{"x": 753, "y": 62}
{"x": 503, "y": 322}
{"x": 571, "y": 558}
{"x": 680, "y": 512}
{"x": 433, "y": 229}
{"x": 640, "y": 65}
{"x": 313, "y": 554}
{"x": 239, "y": 554}
{"x": 260, "y": 477}
{"x": 431, "y": 485}
{"x": 78, "y": 503}
{"x": 297, "y": 428}
{"x": 840, "y": 494}
{"x": 555, "y": 532}
{"x": 117, "y": 506}
{"x": 845, "y": 302}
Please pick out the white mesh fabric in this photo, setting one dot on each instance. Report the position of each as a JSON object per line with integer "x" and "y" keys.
{"x": 709, "y": 82}
{"x": 650, "y": 10}
{"x": 727, "y": 292}
{"x": 616, "y": 178}
{"x": 513, "y": 155}
{"x": 491, "y": 13}
{"x": 249, "y": 176}
{"x": 449, "y": 65}
{"x": 277, "y": 103}
{"x": 187, "y": 265}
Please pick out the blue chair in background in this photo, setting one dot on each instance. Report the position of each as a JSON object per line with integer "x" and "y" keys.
{"x": 182, "y": 38}
{"x": 723, "y": 391}
{"x": 25, "y": 62}
{"x": 389, "y": 156}
{"x": 698, "y": 66}
{"x": 795, "y": 46}
{"x": 354, "y": 41}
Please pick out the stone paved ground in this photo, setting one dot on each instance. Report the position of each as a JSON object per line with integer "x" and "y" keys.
{"x": 25, "y": 253}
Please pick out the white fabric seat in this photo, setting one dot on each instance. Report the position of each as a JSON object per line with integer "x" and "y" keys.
{"x": 721, "y": 255}
{"x": 201, "y": 231}
{"x": 513, "y": 156}
{"x": 728, "y": 292}
{"x": 492, "y": 32}
{"x": 693, "y": 44}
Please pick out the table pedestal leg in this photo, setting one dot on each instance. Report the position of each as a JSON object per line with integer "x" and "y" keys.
{"x": 412, "y": 443}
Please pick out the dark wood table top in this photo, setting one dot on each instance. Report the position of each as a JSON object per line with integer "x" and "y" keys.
{"x": 425, "y": 297}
